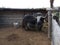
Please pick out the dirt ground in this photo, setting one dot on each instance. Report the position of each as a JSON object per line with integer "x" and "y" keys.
{"x": 13, "y": 36}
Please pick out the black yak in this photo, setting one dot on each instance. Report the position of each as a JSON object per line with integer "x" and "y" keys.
{"x": 31, "y": 22}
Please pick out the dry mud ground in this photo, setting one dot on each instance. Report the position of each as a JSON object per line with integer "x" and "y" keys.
{"x": 13, "y": 36}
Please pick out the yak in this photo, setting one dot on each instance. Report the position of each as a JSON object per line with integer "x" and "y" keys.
{"x": 31, "y": 22}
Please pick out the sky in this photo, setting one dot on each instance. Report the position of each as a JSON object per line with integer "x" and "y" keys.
{"x": 28, "y": 3}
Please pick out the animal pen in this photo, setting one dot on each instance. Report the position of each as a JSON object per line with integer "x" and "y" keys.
{"x": 12, "y": 36}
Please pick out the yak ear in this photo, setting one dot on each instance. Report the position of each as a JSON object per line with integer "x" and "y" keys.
{"x": 42, "y": 18}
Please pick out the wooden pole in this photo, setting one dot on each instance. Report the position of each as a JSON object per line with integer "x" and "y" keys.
{"x": 49, "y": 23}
{"x": 50, "y": 19}
{"x": 51, "y": 3}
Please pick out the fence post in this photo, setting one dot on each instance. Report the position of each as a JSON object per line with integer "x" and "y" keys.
{"x": 49, "y": 23}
